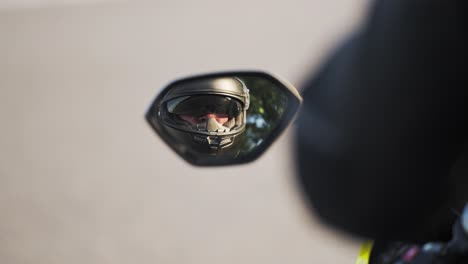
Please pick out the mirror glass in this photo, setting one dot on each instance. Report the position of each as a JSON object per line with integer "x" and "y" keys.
{"x": 225, "y": 118}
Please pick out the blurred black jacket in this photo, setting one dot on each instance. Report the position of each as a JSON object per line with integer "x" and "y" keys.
{"x": 384, "y": 122}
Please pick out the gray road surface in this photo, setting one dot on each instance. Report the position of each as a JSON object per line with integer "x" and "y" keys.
{"x": 82, "y": 177}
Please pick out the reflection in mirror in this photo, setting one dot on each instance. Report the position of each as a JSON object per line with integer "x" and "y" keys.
{"x": 223, "y": 118}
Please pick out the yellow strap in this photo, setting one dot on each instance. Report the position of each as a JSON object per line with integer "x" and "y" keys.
{"x": 364, "y": 252}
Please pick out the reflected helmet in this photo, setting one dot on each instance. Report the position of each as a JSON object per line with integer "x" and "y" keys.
{"x": 211, "y": 111}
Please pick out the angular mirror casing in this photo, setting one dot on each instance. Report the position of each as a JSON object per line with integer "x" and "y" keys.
{"x": 223, "y": 118}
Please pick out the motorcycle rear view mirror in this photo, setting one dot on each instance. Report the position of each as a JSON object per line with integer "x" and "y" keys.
{"x": 223, "y": 118}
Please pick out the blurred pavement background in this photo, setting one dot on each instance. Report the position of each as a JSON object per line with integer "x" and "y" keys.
{"x": 83, "y": 179}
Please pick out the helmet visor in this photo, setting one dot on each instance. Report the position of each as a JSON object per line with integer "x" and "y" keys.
{"x": 201, "y": 112}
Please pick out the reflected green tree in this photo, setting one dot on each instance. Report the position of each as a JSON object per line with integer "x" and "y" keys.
{"x": 267, "y": 105}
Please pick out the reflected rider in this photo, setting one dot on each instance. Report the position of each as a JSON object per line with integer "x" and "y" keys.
{"x": 207, "y": 114}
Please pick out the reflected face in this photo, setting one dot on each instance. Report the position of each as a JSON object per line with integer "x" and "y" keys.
{"x": 222, "y": 118}
{"x": 199, "y": 114}
{"x": 194, "y": 120}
